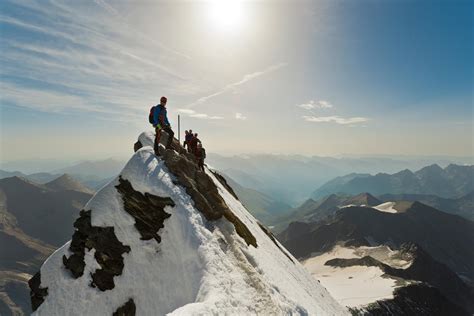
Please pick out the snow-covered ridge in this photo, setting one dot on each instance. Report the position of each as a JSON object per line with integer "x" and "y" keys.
{"x": 196, "y": 266}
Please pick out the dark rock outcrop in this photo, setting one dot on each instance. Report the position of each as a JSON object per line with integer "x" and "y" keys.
{"x": 127, "y": 309}
{"x": 37, "y": 293}
{"x": 415, "y": 299}
{"x": 202, "y": 189}
{"x": 108, "y": 252}
{"x": 147, "y": 209}
{"x": 367, "y": 261}
{"x": 137, "y": 146}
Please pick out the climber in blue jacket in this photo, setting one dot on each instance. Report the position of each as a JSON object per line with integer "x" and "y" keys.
{"x": 161, "y": 123}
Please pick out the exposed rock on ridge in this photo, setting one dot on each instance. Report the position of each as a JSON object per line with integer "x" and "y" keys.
{"x": 147, "y": 209}
{"x": 202, "y": 189}
{"x": 108, "y": 252}
{"x": 37, "y": 292}
{"x": 127, "y": 309}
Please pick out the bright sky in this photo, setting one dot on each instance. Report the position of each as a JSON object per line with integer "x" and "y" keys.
{"x": 315, "y": 78}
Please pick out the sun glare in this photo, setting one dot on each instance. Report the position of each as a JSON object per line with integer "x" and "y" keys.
{"x": 226, "y": 15}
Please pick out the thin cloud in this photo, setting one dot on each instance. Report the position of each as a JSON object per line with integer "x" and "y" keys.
{"x": 239, "y": 116}
{"x": 194, "y": 114}
{"x": 311, "y": 105}
{"x": 231, "y": 86}
{"x": 93, "y": 63}
{"x": 110, "y": 9}
{"x": 335, "y": 119}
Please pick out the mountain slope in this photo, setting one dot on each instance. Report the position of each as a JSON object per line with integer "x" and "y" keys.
{"x": 388, "y": 254}
{"x": 66, "y": 182}
{"x": 167, "y": 238}
{"x": 41, "y": 212}
{"x": 447, "y": 238}
{"x": 33, "y": 218}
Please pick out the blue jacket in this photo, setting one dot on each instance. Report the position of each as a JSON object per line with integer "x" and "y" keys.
{"x": 160, "y": 116}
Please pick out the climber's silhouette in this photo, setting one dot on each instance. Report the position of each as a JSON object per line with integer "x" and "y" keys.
{"x": 193, "y": 143}
{"x": 187, "y": 139}
{"x": 200, "y": 155}
{"x": 159, "y": 118}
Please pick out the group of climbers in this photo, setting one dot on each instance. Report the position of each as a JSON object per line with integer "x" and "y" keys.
{"x": 194, "y": 146}
{"x": 158, "y": 117}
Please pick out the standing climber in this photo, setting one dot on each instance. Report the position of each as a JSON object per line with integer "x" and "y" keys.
{"x": 194, "y": 142}
{"x": 200, "y": 155}
{"x": 161, "y": 123}
{"x": 185, "y": 138}
{"x": 188, "y": 139}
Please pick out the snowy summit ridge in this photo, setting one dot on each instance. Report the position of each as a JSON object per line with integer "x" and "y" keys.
{"x": 165, "y": 238}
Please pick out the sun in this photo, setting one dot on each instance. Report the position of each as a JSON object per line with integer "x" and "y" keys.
{"x": 226, "y": 15}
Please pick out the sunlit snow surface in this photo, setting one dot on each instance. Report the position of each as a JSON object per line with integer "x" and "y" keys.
{"x": 356, "y": 286}
{"x": 199, "y": 268}
{"x": 387, "y": 207}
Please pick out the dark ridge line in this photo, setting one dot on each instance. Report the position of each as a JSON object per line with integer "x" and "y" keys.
{"x": 272, "y": 238}
{"x": 223, "y": 181}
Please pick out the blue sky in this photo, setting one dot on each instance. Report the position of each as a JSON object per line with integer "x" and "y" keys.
{"x": 313, "y": 78}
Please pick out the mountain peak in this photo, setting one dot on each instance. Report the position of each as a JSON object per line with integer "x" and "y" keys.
{"x": 167, "y": 238}
{"x": 363, "y": 199}
{"x": 67, "y": 182}
{"x": 16, "y": 181}
{"x": 431, "y": 169}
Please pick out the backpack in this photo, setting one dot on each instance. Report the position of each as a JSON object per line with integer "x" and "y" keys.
{"x": 150, "y": 116}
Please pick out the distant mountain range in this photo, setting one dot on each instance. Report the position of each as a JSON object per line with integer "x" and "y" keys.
{"x": 441, "y": 255}
{"x": 34, "y": 220}
{"x": 451, "y": 182}
{"x": 90, "y": 181}
{"x": 316, "y": 210}
{"x": 289, "y": 179}
{"x": 462, "y": 206}
{"x": 293, "y": 178}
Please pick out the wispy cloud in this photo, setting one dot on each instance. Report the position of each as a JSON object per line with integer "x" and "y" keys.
{"x": 73, "y": 59}
{"x": 310, "y": 105}
{"x": 240, "y": 116}
{"x": 194, "y": 114}
{"x": 229, "y": 87}
{"x": 335, "y": 119}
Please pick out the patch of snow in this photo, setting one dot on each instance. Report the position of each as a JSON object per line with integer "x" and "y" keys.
{"x": 199, "y": 268}
{"x": 387, "y": 207}
{"x": 354, "y": 286}
{"x": 345, "y": 206}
